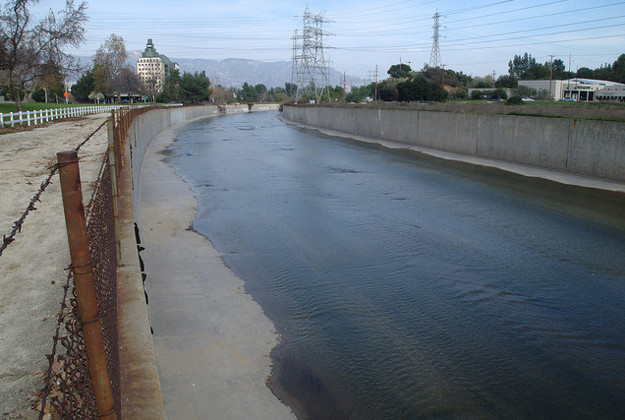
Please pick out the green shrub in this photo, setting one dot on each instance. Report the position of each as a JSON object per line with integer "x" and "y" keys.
{"x": 461, "y": 94}
{"x": 514, "y": 100}
{"x": 476, "y": 94}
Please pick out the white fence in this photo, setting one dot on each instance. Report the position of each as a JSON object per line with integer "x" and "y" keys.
{"x": 46, "y": 115}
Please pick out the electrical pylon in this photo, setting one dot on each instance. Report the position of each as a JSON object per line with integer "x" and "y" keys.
{"x": 435, "y": 54}
{"x": 309, "y": 67}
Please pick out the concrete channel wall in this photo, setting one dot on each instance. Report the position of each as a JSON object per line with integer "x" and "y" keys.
{"x": 148, "y": 125}
{"x": 578, "y": 146}
{"x": 141, "y": 392}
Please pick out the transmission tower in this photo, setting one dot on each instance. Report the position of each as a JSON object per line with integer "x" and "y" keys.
{"x": 309, "y": 68}
{"x": 435, "y": 55}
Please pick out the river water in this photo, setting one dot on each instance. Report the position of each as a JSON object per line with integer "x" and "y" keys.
{"x": 404, "y": 287}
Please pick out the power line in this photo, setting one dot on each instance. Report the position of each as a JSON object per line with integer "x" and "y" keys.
{"x": 362, "y": 13}
{"x": 409, "y": 28}
{"x": 525, "y": 31}
{"x": 559, "y": 13}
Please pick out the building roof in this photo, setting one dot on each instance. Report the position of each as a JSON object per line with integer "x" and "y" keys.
{"x": 595, "y": 82}
{"x": 150, "y": 51}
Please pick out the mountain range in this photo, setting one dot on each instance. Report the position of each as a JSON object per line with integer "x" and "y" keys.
{"x": 233, "y": 72}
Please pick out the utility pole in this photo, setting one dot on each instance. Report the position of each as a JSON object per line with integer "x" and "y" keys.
{"x": 550, "y": 73}
{"x": 569, "y": 86}
{"x": 375, "y": 98}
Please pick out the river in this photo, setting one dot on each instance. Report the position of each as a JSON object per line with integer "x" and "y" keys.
{"x": 406, "y": 287}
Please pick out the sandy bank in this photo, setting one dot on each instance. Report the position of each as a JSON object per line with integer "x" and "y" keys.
{"x": 211, "y": 340}
{"x": 32, "y": 268}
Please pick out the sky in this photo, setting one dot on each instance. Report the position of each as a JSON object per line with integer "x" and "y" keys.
{"x": 477, "y": 37}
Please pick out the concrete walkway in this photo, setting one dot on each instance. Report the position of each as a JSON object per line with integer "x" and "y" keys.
{"x": 212, "y": 341}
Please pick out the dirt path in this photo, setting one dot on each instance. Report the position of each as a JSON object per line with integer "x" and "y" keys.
{"x": 32, "y": 269}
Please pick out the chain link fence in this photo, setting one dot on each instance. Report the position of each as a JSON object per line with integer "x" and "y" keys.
{"x": 68, "y": 392}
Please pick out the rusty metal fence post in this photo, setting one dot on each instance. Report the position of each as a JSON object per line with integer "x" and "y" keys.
{"x": 84, "y": 283}
{"x": 113, "y": 167}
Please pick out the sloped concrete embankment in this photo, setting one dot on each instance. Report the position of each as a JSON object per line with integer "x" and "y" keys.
{"x": 141, "y": 390}
{"x": 576, "y": 146}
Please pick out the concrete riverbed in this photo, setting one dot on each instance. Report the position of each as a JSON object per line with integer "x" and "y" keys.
{"x": 211, "y": 340}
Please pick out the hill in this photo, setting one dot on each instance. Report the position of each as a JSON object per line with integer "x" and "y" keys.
{"x": 233, "y": 72}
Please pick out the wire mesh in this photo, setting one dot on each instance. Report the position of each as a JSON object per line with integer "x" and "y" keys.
{"x": 68, "y": 391}
{"x": 101, "y": 233}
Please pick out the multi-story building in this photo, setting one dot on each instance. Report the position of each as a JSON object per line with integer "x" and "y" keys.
{"x": 153, "y": 68}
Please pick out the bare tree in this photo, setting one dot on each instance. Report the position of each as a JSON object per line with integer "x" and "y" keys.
{"x": 129, "y": 81}
{"x": 109, "y": 64}
{"x": 220, "y": 95}
{"x": 29, "y": 51}
{"x": 150, "y": 87}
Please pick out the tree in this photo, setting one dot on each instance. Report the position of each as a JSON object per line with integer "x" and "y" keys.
{"x": 129, "y": 81}
{"x": 188, "y": 88}
{"x": 194, "y": 88}
{"x": 485, "y": 82}
{"x": 150, "y": 86}
{"x": 525, "y": 67}
{"x": 420, "y": 89}
{"x": 290, "y": 89}
{"x": 220, "y": 95}
{"x": 247, "y": 93}
{"x": 261, "y": 92}
{"x": 357, "y": 94}
{"x": 281, "y": 97}
{"x": 520, "y": 66}
{"x": 108, "y": 64}
{"x": 506, "y": 81}
{"x": 460, "y": 94}
{"x": 476, "y": 94}
{"x": 54, "y": 82}
{"x": 398, "y": 71}
{"x": 171, "y": 88}
{"x": 499, "y": 93}
{"x": 558, "y": 68}
{"x": 464, "y": 79}
{"x": 29, "y": 52}
{"x": 337, "y": 93}
{"x": 525, "y": 92}
{"x": 387, "y": 90}
{"x": 618, "y": 69}
{"x": 585, "y": 73}
{"x": 44, "y": 94}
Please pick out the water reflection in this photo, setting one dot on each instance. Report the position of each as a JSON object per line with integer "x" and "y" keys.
{"x": 404, "y": 287}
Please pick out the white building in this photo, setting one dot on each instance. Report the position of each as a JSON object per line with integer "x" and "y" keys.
{"x": 615, "y": 92}
{"x": 583, "y": 90}
{"x": 153, "y": 68}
